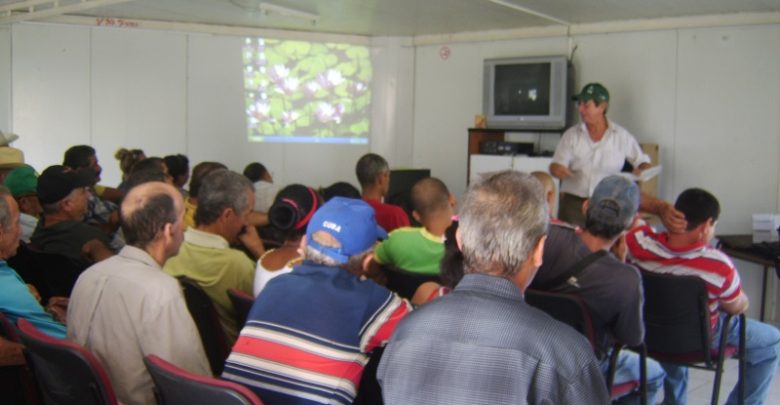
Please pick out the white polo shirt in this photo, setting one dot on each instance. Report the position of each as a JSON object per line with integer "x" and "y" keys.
{"x": 592, "y": 161}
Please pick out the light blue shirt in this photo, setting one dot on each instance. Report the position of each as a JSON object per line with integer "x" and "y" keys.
{"x": 17, "y": 302}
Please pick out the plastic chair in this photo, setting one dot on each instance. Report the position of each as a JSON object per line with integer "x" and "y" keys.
{"x": 405, "y": 283}
{"x": 175, "y": 386}
{"x": 242, "y": 303}
{"x": 17, "y": 382}
{"x": 677, "y": 324}
{"x": 67, "y": 373}
{"x": 207, "y": 320}
{"x": 52, "y": 274}
{"x": 571, "y": 310}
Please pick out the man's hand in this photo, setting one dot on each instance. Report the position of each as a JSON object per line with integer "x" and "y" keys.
{"x": 58, "y": 307}
{"x": 251, "y": 240}
{"x": 560, "y": 171}
{"x": 673, "y": 220}
{"x": 34, "y": 292}
{"x": 11, "y": 353}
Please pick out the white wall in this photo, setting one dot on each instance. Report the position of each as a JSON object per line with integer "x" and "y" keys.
{"x": 169, "y": 92}
{"x": 709, "y": 96}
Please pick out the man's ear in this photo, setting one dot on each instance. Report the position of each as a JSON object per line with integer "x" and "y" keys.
{"x": 226, "y": 213}
{"x": 585, "y": 205}
{"x": 416, "y": 216}
{"x": 457, "y": 239}
{"x": 167, "y": 232}
{"x": 453, "y": 202}
{"x": 538, "y": 253}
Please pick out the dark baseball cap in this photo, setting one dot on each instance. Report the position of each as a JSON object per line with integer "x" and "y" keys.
{"x": 592, "y": 91}
{"x": 56, "y": 182}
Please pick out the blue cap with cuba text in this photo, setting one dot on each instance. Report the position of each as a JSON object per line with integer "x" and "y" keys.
{"x": 343, "y": 227}
{"x": 615, "y": 201}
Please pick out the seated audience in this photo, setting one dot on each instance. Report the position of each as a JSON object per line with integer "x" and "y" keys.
{"x": 373, "y": 174}
{"x": 16, "y": 298}
{"x": 689, "y": 253}
{"x": 482, "y": 344}
{"x": 23, "y": 183}
{"x": 340, "y": 189}
{"x": 289, "y": 216}
{"x": 200, "y": 171}
{"x": 419, "y": 250}
{"x": 63, "y": 194}
{"x": 225, "y": 200}
{"x": 310, "y": 332}
{"x": 126, "y": 307}
{"x": 179, "y": 169}
{"x": 127, "y": 159}
{"x": 150, "y": 169}
{"x": 102, "y": 208}
{"x": 265, "y": 189}
{"x": 577, "y": 262}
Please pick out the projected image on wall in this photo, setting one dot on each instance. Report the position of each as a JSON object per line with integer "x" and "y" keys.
{"x": 299, "y": 91}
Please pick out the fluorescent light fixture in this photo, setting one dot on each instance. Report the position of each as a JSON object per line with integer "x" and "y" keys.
{"x": 270, "y": 8}
{"x": 527, "y": 10}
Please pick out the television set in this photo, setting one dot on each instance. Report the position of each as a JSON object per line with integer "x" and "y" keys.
{"x": 530, "y": 93}
{"x": 400, "y": 190}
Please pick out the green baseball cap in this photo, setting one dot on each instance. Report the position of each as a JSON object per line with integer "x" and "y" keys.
{"x": 592, "y": 91}
{"x": 22, "y": 181}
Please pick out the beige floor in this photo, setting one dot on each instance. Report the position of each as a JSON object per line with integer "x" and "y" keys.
{"x": 700, "y": 385}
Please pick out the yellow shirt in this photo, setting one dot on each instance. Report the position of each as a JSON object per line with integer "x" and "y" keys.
{"x": 189, "y": 214}
{"x": 208, "y": 259}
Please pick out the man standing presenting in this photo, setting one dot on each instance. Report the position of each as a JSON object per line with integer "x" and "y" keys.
{"x": 126, "y": 307}
{"x": 482, "y": 344}
{"x": 590, "y": 151}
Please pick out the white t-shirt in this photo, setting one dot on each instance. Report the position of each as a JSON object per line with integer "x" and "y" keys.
{"x": 263, "y": 275}
{"x": 265, "y": 193}
{"x": 592, "y": 161}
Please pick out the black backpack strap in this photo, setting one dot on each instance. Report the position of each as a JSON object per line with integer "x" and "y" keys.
{"x": 573, "y": 271}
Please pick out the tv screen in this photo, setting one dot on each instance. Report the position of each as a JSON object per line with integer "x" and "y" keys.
{"x": 527, "y": 93}
{"x": 522, "y": 89}
{"x": 401, "y": 183}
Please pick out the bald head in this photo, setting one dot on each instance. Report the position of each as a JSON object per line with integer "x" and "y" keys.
{"x": 549, "y": 187}
{"x": 147, "y": 209}
{"x": 430, "y": 195}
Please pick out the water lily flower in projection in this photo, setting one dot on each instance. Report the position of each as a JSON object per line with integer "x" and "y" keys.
{"x": 325, "y": 112}
{"x": 260, "y": 109}
{"x": 288, "y": 117}
{"x": 311, "y": 88}
{"x": 331, "y": 78}
{"x": 278, "y": 73}
{"x": 288, "y": 86}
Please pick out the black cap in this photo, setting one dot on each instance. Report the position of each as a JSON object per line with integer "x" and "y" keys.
{"x": 56, "y": 182}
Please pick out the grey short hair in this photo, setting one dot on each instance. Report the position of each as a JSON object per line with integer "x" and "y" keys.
{"x": 369, "y": 167}
{"x": 221, "y": 189}
{"x": 502, "y": 218}
{"x": 5, "y": 209}
{"x": 354, "y": 264}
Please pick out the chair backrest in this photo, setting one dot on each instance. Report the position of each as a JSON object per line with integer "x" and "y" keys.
{"x": 405, "y": 283}
{"x": 8, "y": 330}
{"x": 676, "y": 314}
{"x": 242, "y": 303}
{"x": 207, "y": 320}
{"x": 567, "y": 308}
{"x": 67, "y": 373}
{"x": 175, "y": 386}
{"x": 52, "y": 274}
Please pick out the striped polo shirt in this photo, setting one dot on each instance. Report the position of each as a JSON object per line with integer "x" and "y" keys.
{"x": 651, "y": 251}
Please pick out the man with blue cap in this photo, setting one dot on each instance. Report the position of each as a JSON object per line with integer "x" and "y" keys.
{"x": 310, "y": 332}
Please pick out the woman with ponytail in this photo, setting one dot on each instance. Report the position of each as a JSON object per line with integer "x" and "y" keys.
{"x": 289, "y": 215}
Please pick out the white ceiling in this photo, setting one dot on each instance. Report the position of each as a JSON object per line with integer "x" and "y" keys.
{"x": 416, "y": 17}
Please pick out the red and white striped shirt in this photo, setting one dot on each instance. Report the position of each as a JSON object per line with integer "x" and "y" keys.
{"x": 651, "y": 252}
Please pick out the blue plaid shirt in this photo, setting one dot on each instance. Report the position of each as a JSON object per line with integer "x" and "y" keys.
{"x": 482, "y": 344}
